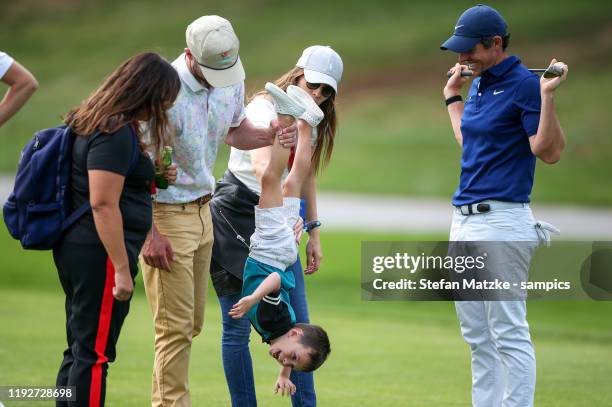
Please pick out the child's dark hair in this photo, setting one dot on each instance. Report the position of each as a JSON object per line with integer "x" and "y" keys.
{"x": 316, "y": 339}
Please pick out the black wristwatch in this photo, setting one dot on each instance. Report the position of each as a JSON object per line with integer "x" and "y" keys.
{"x": 453, "y": 99}
{"x": 312, "y": 225}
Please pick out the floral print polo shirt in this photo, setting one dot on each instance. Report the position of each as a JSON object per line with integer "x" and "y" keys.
{"x": 201, "y": 118}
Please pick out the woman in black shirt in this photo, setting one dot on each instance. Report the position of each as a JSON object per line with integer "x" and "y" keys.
{"x": 97, "y": 258}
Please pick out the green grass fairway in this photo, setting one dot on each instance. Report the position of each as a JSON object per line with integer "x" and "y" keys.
{"x": 383, "y": 353}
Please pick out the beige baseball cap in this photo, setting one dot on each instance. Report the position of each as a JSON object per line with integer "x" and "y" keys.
{"x": 213, "y": 43}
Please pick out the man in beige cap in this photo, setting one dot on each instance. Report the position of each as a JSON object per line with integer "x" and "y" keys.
{"x": 176, "y": 256}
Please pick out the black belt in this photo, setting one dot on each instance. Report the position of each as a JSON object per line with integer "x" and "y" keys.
{"x": 474, "y": 208}
{"x": 488, "y": 206}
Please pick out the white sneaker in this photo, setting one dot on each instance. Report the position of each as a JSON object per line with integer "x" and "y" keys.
{"x": 312, "y": 113}
{"x": 284, "y": 104}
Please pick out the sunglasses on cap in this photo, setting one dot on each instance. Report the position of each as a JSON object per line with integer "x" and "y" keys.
{"x": 326, "y": 91}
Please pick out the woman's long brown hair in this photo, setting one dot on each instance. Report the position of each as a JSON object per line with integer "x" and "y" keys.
{"x": 140, "y": 89}
{"x": 326, "y": 130}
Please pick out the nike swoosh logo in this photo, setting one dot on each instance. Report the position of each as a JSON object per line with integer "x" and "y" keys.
{"x": 459, "y": 26}
{"x": 497, "y": 92}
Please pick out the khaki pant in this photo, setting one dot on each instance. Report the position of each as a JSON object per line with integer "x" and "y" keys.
{"x": 177, "y": 298}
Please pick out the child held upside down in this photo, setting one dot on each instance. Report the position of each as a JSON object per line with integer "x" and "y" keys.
{"x": 266, "y": 283}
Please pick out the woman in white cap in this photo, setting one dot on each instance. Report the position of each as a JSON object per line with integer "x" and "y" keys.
{"x": 318, "y": 72}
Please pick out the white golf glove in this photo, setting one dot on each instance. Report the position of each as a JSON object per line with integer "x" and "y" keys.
{"x": 544, "y": 229}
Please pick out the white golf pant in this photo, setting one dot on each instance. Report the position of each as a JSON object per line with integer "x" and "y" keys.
{"x": 503, "y": 358}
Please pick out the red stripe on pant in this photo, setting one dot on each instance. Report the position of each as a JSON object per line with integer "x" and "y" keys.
{"x": 95, "y": 390}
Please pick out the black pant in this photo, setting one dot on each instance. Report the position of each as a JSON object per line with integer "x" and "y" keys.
{"x": 93, "y": 319}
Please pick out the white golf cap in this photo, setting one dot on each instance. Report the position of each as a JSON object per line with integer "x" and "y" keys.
{"x": 213, "y": 43}
{"x": 321, "y": 65}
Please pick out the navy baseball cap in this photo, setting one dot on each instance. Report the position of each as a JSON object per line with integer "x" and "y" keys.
{"x": 475, "y": 23}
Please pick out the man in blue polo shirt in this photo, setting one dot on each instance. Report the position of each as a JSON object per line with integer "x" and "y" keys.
{"x": 507, "y": 120}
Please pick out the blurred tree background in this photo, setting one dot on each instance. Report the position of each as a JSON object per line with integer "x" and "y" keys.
{"x": 395, "y": 137}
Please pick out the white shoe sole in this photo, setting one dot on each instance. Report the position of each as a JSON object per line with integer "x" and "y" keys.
{"x": 283, "y": 103}
{"x": 312, "y": 112}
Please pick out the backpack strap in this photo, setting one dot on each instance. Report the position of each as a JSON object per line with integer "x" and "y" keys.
{"x": 75, "y": 215}
{"x": 86, "y": 207}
